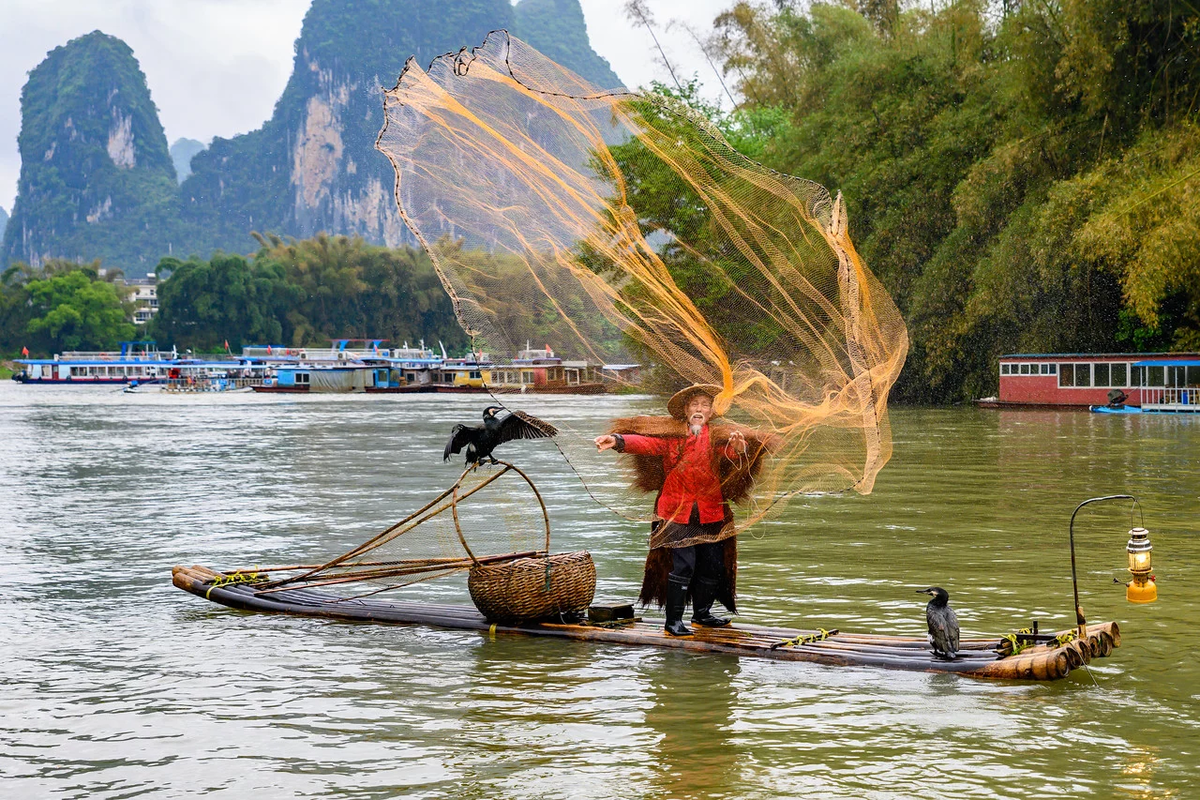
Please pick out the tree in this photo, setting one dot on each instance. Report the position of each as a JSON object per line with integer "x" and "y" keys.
{"x": 74, "y": 310}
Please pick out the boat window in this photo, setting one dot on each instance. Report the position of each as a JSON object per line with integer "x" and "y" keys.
{"x": 526, "y": 376}
{"x": 1024, "y": 369}
{"x": 1053, "y": 368}
{"x": 1193, "y": 376}
{"x": 1154, "y": 376}
{"x": 302, "y": 378}
{"x": 1120, "y": 375}
{"x": 1102, "y": 375}
{"x": 476, "y": 375}
{"x": 1136, "y": 375}
{"x": 1083, "y": 374}
{"x": 1175, "y": 376}
{"x": 1066, "y": 375}
{"x": 1045, "y": 369}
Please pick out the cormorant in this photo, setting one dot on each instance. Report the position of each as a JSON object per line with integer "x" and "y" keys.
{"x": 499, "y": 426}
{"x": 943, "y": 624}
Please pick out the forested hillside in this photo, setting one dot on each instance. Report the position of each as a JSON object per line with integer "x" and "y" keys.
{"x": 96, "y": 179}
{"x": 1023, "y": 176}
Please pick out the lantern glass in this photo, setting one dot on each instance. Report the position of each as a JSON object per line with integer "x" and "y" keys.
{"x": 1139, "y": 552}
{"x": 1139, "y": 561}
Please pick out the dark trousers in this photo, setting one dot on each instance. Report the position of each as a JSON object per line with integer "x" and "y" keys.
{"x": 702, "y": 560}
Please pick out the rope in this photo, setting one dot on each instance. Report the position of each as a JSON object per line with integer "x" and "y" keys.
{"x": 807, "y": 638}
{"x": 237, "y": 577}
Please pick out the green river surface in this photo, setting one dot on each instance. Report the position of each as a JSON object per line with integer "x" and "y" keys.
{"x": 114, "y": 684}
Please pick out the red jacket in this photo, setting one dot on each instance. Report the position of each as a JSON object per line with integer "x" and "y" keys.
{"x": 690, "y": 464}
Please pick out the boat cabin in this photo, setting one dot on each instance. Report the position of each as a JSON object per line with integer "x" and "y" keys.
{"x": 542, "y": 370}
{"x": 1151, "y": 381}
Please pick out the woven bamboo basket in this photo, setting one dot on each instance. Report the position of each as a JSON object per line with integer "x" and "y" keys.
{"x": 548, "y": 585}
{"x": 554, "y": 586}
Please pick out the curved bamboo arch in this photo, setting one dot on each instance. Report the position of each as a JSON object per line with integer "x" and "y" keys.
{"x": 454, "y": 503}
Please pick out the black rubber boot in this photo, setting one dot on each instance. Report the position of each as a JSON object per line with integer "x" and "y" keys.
{"x": 676, "y": 602}
{"x": 702, "y": 599}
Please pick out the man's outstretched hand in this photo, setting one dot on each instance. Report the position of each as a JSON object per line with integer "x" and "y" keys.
{"x": 606, "y": 442}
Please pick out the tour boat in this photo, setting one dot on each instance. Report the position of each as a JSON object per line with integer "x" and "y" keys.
{"x": 189, "y": 376}
{"x": 135, "y": 361}
{"x": 1158, "y": 382}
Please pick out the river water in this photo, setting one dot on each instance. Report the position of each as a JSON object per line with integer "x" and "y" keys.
{"x": 117, "y": 685}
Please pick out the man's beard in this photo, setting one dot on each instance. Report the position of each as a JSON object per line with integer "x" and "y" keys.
{"x": 696, "y": 428}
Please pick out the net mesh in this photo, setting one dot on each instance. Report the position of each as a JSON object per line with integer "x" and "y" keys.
{"x": 622, "y": 228}
{"x": 490, "y": 515}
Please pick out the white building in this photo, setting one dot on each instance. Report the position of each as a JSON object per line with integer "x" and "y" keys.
{"x": 144, "y": 294}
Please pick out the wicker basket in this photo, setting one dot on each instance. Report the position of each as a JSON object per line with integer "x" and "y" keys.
{"x": 534, "y": 588}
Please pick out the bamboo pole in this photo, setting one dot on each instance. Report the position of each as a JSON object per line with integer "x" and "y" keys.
{"x": 375, "y": 541}
{"x": 340, "y": 578}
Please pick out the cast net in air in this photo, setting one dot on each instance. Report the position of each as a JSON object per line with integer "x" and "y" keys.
{"x": 621, "y": 228}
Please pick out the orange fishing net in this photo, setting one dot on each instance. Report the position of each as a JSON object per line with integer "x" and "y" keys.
{"x": 540, "y": 201}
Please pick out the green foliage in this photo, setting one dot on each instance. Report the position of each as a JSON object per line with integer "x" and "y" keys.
{"x": 1020, "y": 183}
{"x": 96, "y": 178}
{"x": 204, "y": 304}
{"x": 303, "y": 292}
{"x": 61, "y": 306}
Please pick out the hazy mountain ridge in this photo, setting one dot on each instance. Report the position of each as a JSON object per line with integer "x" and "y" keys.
{"x": 312, "y": 165}
{"x": 182, "y": 152}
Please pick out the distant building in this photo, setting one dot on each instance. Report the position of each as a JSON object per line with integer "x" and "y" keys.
{"x": 144, "y": 294}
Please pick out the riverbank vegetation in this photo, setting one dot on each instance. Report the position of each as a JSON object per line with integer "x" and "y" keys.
{"x": 1022, "y": 176}
{"x": 62, "y": 306}
{"x": 293, "y": 292}
{"x": 303, "y": 292}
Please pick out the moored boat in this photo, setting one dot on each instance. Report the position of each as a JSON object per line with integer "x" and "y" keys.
{"x": 1158, "y": 382}
{"x": 136, "y": 360}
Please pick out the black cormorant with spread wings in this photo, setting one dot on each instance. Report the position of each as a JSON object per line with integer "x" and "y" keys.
{"x": 943, "y": 624}
{"x": 499, "y": 426}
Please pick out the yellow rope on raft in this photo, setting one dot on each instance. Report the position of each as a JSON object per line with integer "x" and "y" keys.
{"x": 807, "y": 638}
{"x": 237, "y": 577}
{"x": 1015, "y": 645}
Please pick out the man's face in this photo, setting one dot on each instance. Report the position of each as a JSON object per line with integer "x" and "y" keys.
{"x": 698, "y": 410}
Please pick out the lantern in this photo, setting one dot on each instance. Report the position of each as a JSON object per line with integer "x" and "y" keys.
{"x": 1141, "y": 588}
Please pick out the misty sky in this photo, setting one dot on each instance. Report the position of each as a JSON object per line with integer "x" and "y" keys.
{"x": 216, "y": 67}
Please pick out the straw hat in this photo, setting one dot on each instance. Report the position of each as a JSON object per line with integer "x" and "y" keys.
{"x": 679, "y": 400}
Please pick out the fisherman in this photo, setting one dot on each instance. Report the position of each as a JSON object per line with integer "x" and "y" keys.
{"x": 696, "y": 469}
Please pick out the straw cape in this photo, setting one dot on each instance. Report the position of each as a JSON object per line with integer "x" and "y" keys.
{"x": 737, "y": 480}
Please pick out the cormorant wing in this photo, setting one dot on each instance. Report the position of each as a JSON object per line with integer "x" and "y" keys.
{"x": 943, "y": 630}
{"x": 460, "y": 436}
{"x": 519, "y": 425}
{"x": 953, "y": 629}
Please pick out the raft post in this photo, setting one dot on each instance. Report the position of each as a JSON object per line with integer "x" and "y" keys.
{"x": 1080, "y": 620}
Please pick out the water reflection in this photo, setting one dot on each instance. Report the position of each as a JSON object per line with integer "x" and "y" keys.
{"x": 691, "y": 714}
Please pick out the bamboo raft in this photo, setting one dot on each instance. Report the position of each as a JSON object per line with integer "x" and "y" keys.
{"x": 1040, "y": 661}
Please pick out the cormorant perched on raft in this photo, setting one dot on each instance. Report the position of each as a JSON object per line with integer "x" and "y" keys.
{"x": 499, "y": 426}
{"x": 943, "y": 624}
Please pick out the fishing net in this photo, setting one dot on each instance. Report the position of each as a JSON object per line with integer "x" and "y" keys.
{"x": 620, "y": 228}
{"x": 488, "y": 517}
